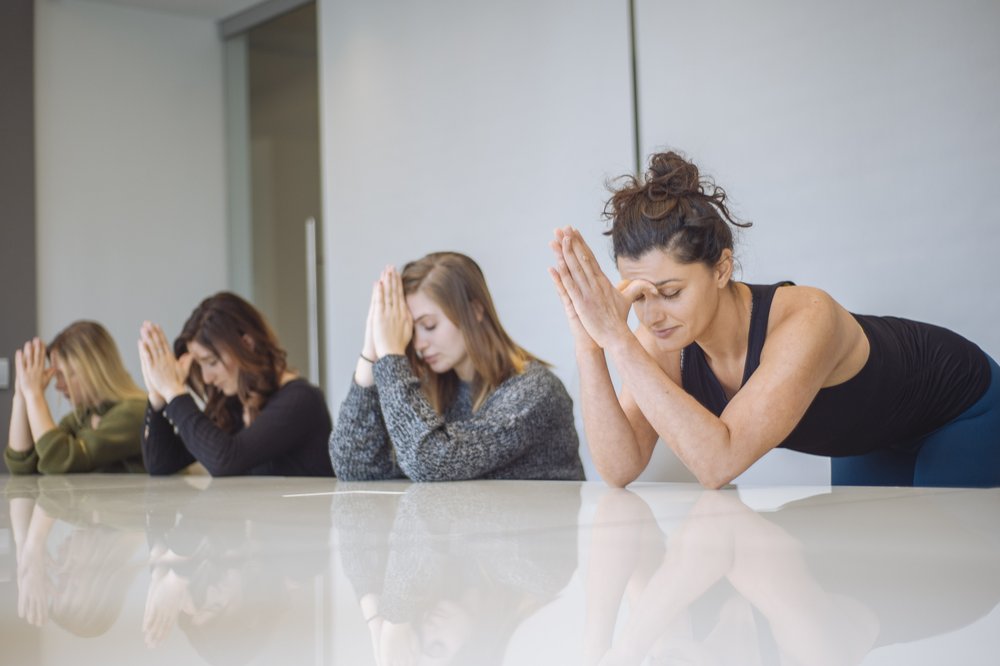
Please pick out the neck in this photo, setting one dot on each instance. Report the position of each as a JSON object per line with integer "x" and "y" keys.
{"x": 726, "y": 336}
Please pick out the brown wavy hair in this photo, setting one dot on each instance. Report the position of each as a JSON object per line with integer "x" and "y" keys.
{"x": 227, "y": 323}
{"x": 457, "y": 284}
{"x": 672, "y": 208}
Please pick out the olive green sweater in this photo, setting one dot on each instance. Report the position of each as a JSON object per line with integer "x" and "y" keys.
{"x": 75, "y": 446}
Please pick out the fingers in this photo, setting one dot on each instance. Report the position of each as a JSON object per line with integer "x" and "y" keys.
{"x": 185, "y": 362}
{"x": 561, "y": 290}
{"x": 579, "y": 260}
{"x": 632, "y": 290}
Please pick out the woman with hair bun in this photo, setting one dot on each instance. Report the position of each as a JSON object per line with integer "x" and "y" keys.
{"x": 442, "y": 393}
{"x": 724, "y": 371}
{"x": 103, "y": 431}
{"x": 260, "y": 417}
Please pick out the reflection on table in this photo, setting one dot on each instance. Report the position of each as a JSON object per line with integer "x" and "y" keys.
{"x": 824, "y": 580}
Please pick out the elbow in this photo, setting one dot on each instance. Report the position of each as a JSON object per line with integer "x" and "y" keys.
{"x": 618, "y": 479}
{"x": 714, "y": 479}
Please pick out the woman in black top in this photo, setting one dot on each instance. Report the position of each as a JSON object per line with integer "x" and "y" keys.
{"x": 259, "y": 418}
{"x": 724, "y": 372}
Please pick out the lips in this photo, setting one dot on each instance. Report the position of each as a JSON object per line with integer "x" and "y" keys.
{"x": 663, "y": 333}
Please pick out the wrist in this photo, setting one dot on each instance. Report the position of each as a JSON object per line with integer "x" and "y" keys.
{"x": 620, "y": 342}
{"x": 172, "y": 392}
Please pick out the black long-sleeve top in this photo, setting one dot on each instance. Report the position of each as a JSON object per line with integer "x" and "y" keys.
{"x": 288, "y": 437}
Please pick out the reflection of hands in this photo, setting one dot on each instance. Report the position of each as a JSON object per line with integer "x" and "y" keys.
{"x": 34, "y": 587}
{"x": 399, "y": 645}
{"x": 33, "y": 374}
{"x": 392, "y": 326}
{"x": 592, "y": 303}
{"x": 168, "y": 594}
{"x": 163, "y": 373}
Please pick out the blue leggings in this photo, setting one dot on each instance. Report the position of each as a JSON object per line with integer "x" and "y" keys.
{"x": 964, "y": 453}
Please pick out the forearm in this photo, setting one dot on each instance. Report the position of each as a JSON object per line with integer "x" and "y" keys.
{"x": 39, "y": 417}
{"x": 699, "y": 438}
{"x": 613, "y": 444}
{"x": 163, "y": 451}
{"x": 19, "y": 435}
{"x": 359, "y": 444}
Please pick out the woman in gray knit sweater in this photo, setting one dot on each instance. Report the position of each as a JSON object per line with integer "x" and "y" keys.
{"x": 441, "y": 392}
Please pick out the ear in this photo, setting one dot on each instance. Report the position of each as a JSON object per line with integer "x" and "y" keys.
{"x": 477, "y": 307}
{"x": 724, "y": 268}
{"x": 247, "y": 341}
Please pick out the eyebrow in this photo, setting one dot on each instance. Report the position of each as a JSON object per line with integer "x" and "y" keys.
{"x": 422, "y": 317}
{"x": 667, "y": 281}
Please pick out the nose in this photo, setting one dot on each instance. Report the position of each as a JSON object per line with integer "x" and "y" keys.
{"x": 650, "y": 312}
{"x": 420, "y": 341}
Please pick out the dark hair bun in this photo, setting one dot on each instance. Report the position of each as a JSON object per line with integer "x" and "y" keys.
{"x": 671, "y": 176}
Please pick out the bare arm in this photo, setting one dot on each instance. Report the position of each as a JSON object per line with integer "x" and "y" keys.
{"x": 19, "y": 435}
{"x": 620, "y": 439}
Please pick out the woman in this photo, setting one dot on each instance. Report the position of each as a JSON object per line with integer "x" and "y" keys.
{"x": 103, "y": 431}
{"x": 723, "y": 371}
{"x": 441, "y": 392}
{"x": 259, "y": 418}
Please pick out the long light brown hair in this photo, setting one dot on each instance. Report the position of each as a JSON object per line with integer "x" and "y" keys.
{"x": 227, "y": 323}
{"x": 86, "y": 350}
{"x": 457, "y": 284}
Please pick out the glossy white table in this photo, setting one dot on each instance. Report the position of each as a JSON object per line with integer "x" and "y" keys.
{"x": 131, "y": 570}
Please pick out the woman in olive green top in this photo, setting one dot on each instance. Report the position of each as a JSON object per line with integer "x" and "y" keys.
{"x": 104, "y": 431}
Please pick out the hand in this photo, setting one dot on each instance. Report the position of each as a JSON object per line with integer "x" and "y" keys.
{"x": 167, "y": 597}
{"x": 399, "y": 644}
{"x": 164, "y": 374}
{"x": 581, "y": 338}
{"x": 35, "y": 588}
{"x": 155, "y": 399}
{"x": 32, "y": 375}
{"x": 368, "y": 350}
{"x": 392, "y": 326}
{"x": 600, "y": 309}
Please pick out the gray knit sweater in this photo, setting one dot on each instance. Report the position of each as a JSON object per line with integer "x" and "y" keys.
{"x": 523, "y": 430}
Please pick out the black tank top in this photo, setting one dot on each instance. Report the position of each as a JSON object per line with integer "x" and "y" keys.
{"x": 918, "y": 377}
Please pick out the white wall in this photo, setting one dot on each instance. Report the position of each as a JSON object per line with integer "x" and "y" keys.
{"x": 131, "y": 179}
{"x": 473, "y": 126}
{"x": 862, "y": 139}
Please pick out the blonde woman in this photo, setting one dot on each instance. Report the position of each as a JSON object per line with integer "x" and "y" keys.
{"x": 442, "y": 393}
{"x": 104, "y": 430}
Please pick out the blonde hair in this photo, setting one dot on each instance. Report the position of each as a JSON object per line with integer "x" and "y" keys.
{"x": 457, "y": 284}
{"x": 86, "y": 350}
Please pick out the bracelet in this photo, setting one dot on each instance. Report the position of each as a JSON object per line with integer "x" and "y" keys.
{"x": 370, "y": 360}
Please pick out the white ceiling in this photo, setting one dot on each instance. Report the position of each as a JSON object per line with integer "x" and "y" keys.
{"x": 210, "y": 9}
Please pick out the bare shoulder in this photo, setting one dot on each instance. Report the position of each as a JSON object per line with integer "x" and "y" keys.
{"x": 809, "y": 321}
{"x": 809, "y": 307}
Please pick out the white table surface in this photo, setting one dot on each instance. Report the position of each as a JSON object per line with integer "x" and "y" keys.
{"x": 104, "y": 569}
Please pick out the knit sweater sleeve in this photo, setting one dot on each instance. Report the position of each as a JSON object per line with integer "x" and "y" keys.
{"x": 288, "y": 418}
{"x": 359, "y": 444}
{"x": 509, "y": 424}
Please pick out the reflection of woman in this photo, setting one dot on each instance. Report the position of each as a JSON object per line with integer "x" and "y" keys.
{"x": 80, "y": 582}
{"x": 430, "y": 594}
{"x": 259, "y": 418}
{"x": 223, "y": 576}
{"x": 723, "y": 371}
{"x": 441, "y": 392}
{"x": 727, "y": 567}
{"x": 103, "y": 431}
